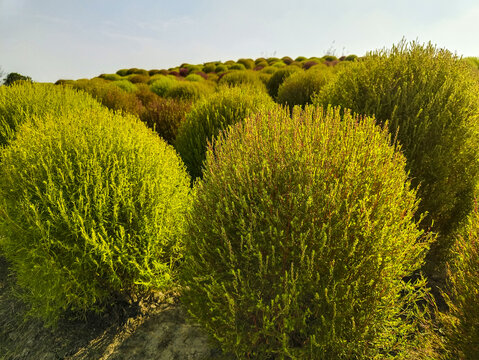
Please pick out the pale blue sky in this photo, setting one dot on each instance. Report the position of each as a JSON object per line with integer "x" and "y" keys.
{"x": 65, "y": 39}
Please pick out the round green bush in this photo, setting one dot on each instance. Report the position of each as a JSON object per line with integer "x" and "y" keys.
{"x": 300, "y": 87}
{"x": 237, "y": 67}
{"x": 122, "y": 72}
{"x": 161, "y": 86}
{"x": 110, "y": 95}
{"x": 111, "y": 77}
{"x": 300, "y": 235}
{"x": 209, "y": 68}
{"x": 212, "y": 115}
{"x": 430, "y": 99}
{"x": 248, "y": 63}
{"x": 21, "y": 101}
{"x": 126, "y": 85}
{"x": 93, "y": 209}
{"x": 139, "y": 79}
{"x": 194, "y": 77}
{"x": 269, "y": 70}
{"x": 188, "y": 90}
{"x": 278, "y": 78}
{"x": 242, "y": 78}
{"x": 461, "y": 323}
{"x": 221, "y": 68}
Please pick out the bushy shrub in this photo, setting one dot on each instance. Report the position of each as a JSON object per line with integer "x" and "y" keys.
{"x": 212, "y": 115}
{"x": 21, "y": 101}
{"x": 278, "y": 64}
{"x": 300, "y": 58}
{"x": 209, "y": 68}
{"x": 269, "y": 69}
{"x": 139, "y": 79}
{"x": 161, "y": 86}
{"x": 350, "y": 58}
{"x": 194, "y": 77}
{"x": 248, "y": 63}
{"x": 122, "y": 72}
{"x": 110, "y": 95}
{"x": 135, "y": 71}
{"x": 329, "y": 58}
{"x": 187, "y": 90}
{"x": 431, "y": 100}
{"x": 154, "y": 72}
{"x": 165, "y": 116}
{"x": 111, "y": 77}
{"x": 272, "y": 60}
{"x": 309, "y": 64}
{"x": 278, "y": 78}
{"x": 287, "y": 60}
{"x": 300, "y": 234}
{"x": 242, "y": 78}
{"x": 237, "y": 67}
{"x": 125, "y": 85}
{"x": 462, "y": 321}
{"x": 93, "y": 209}
{"x": 221, "y": 68}
{"x": 300, "y": 87}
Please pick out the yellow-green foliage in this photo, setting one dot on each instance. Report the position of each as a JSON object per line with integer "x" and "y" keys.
{"x": 161, "y": 86}
{"x": 93, "y": 209}
{"x": 215, "y": 113}
{"x": 462, "y": 321}
{"x": 19, "y": 102}
{"x": 431, "y": 101}
{"x": 125, "y": 85}
{"x": 189, "y": 90}
{"x": 300, "y": 88}
{"x": 300, "y": 236}
{"x": 242, "y": 78}
{"x": 278, "y": 78}
{"x": 110, "y": 95}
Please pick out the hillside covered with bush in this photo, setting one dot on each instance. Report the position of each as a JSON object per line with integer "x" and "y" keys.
{"x": 270, "y": 208}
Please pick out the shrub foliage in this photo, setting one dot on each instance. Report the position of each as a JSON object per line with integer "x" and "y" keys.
{"x": 462, "y": 321}
{"x": 431, "y": 101}
{"x": 21, "y": 101}
{"x": 208, "y": 117}
{"x": 299, "y": 239}
{"x": 93, "y": 210}
{"x": 300, "y": 87}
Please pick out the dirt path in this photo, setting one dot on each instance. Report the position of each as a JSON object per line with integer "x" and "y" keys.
{"x": 157, "y": 331}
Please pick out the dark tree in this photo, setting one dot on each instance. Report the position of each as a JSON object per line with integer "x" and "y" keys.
{"x": 14, "y": 77}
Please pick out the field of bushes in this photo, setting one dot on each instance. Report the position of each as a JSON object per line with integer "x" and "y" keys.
{"x": 307, "y": 208}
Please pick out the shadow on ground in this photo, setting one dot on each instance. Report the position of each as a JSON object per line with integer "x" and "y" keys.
{"x": 154, "y": 331}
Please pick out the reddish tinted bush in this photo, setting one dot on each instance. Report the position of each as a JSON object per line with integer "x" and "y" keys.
{"x": 140, "y": 79}
{"x": 165, "y": 116}
{"x": 309, "y": 64}
{"x": 183, "y": 71}
{"x": 287, "y": 60}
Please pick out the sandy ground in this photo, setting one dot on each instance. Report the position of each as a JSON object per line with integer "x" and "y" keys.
{"x": 153, "y": 331}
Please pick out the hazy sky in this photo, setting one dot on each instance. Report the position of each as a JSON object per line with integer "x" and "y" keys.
{"x": 70, "y": 39}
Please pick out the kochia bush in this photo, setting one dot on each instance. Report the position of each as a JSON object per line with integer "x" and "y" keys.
{"x": 300, "y": 236}
{"x": 213, "y": 114}
{"x": 302, "y": 86}
{"x": 278, "y": 78}
{"x": 431, "y": 101}
{"x": 462, "y": 321}
{"x": 93, "y": 209}
{"x": 19, "y": 102}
